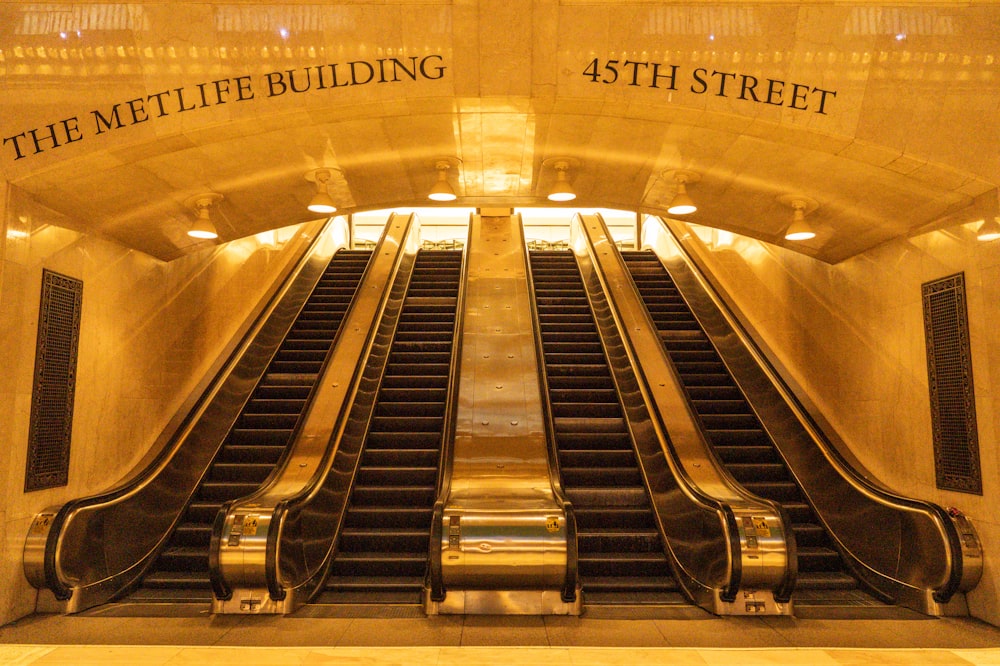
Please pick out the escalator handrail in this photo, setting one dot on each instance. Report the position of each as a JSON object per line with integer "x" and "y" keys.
{"x": 171, "y": 440}
{"x": 689, "y": 489}
{"x": 264, "y": 498}
{"x": 552, "y": 448}
{"x": 435, "y": 574}
{"x": 876, "y": 493}
{"x": 220, "y": 588}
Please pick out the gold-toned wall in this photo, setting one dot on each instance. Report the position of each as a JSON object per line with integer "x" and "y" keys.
{"x": 150, "y": 331}
{"x": 851, "y": 334}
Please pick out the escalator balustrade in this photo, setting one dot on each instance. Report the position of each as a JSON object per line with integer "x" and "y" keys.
{"x": 382, "y": 550}
{"x": 736, "y": 435}
{"x": 621, "y": 555}
{"x": 260, "y": 435}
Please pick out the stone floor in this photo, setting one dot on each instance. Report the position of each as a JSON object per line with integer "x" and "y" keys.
{"x": 97, "y": 637}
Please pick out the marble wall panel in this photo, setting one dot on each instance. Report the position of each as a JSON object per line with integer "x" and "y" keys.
{"x": 851, "y": 335}
{"x": 150, "y": 332}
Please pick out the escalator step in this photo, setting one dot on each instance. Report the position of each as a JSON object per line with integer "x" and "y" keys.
{"x": 282, "y": 392}
{"x": 596, "y": 460}
{"x": 275, "y": 406}
{"x": 746, "y": 454}
{"x": 730, "y": 421}
{"x": 403, "y": 440}
{"x": 698, "y": 393}
{"x": 809, "y": 534}
{"x": 392, "y": 516}
{"x": 400, "y": 424}
{"x": 383, "y": 540}
{"x": 603, "y": 477}
{"x": 262, "y": 438}
{"x": 750, "y": 472}
{"x": 825, "y": 580}
{"x": 798, "y": 511}
{"x": 410, "y": 407}
{"x": 610, "y": 540}
{"x": 267, "y": 421}
{"x": 607, "y": 497}
{"x": 415, "y": 381}
{"x": 631, "y": 586}
{"x": 380, "y": 477}
{"x": 202, "y": 511}
{"x": 229, "y": 472}
{"x": 707, "y": 380}
{"x": 643, "y": 564}
{"x": 813, "y": 558}
{"x": 584, "y": 395}
{"x": 589, "y": 425}
{"x": 595, "y": 410}
{"x": 249, "y": 453}
{"x": 591, "y": 518}
{"x": 393, "y": 496}
{"x": 224, "y": 491}
{"x": 198, "y": 580}
{"x": 591, "y": 441}
{"x": 193, "y": 535}
{"x": 400, "y": 458}
{"x": 780, "y": 491}
{"x": 571, "y": 382}
{"x": 755, "y": 437}
{"x": 709, "y": 407}
{"x": 178, "y": 558}
{"x": 379, "y": 564}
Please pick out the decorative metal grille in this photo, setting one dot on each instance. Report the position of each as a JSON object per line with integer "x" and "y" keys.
{"x": 55, "y": 382}
{"x": 949, "y": 374}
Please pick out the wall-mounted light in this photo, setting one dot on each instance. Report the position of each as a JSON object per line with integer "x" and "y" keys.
{"x": 561, "y": 190}
{"x": 321, "y": 202}
{"x": 442, "y": 190}
{"x": 203, "y": 228}
{"x": 799, "y": 229}
{"x": 682, "y": 203}
{"x": 989, "y": 230}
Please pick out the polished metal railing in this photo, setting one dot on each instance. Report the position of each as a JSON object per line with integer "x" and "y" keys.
{"x": 91, "y": 549}
{"x": 733, "y": 552}
{"x": 909, "y": 551}
{"x": 297, "y": 514}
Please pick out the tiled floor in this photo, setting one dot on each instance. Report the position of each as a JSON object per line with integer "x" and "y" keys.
{"x": 512, "y": 641}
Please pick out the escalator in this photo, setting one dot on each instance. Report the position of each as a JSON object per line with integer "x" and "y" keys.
{"x": 620, "y": 549}
{"x": 737, "y": 437}
{"x": 259, "y": 438}
{"x": 381, "y": 554}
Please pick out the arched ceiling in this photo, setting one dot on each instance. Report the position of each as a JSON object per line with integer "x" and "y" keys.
{"x": 884, "y": 115}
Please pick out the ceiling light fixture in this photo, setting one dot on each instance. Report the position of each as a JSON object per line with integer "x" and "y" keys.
{"x": 321, "y": 202}
{"x": 561, "y": 191}
{"x": 203, "y": 228}
{"x": 799, "y": 229}
{"x": 442, "y": 190}
{"x": 682, "y": 203}
{"x": 989, "y": 230}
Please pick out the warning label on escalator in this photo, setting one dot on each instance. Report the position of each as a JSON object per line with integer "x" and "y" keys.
{"x": 250, "y": 524}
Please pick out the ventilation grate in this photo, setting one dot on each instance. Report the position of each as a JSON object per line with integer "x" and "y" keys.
{"x": 55, "y": 382}
{"x": 949, "y": 374}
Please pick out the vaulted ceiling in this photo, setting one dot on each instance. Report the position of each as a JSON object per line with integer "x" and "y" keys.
{"x": 883, "y": 117}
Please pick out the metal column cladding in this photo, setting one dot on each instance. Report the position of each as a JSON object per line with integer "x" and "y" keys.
{"x": 504, "y": 532}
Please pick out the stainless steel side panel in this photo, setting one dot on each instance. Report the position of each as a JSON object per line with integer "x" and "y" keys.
{"x": 297, "y": 512}
{"x": 91, "y": 549}
{"x": 910, "y": 550}
{"x": 503, "y": 531}
{"x": 732, "y": 551}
